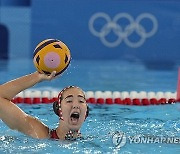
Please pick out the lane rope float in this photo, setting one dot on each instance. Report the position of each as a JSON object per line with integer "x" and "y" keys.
{"x": 105, "y": 97}
{"x": 102, "y": 97}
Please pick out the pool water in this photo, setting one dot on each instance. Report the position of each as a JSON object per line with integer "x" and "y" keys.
{"x": 104, "y": 120}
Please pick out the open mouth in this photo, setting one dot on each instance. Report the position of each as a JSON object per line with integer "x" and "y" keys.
{"x": 74, "y": 117}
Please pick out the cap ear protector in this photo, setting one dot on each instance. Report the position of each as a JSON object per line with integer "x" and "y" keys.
{"x": 57, "y": 105}
{"x": 87, "y": 112}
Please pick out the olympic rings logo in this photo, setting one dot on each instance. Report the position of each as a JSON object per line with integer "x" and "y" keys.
{"x": 123, "y": 34}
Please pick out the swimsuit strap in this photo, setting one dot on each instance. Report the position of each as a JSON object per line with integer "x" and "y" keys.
{"x": 53, "y": 134}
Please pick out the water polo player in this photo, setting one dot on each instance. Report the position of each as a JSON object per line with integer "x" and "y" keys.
{"x": 71, "y": 108}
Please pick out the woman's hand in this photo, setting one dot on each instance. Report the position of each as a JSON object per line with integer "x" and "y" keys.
{"x": 43, "y": 76}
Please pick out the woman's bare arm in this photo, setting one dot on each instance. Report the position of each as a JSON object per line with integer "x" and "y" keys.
{"x": 12, "y": 115}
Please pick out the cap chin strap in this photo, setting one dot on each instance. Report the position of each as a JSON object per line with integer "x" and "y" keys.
{"x": 60, "y": 114}
{"x": 70, "y": 135}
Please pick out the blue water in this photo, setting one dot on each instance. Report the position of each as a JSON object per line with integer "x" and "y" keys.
{"x": 104, "y": 120}
{"x": 97, "y": 130}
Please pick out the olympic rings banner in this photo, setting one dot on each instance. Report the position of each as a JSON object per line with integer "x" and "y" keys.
{"x": 147, "y": 31}
{"x": 112, "y": 25}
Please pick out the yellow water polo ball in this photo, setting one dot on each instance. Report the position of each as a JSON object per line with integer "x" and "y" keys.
{"x": 51, "y": 55}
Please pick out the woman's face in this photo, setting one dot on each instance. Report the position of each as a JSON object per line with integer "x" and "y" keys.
{"x": 74, "y": 107}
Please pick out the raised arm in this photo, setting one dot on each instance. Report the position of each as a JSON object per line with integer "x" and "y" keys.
{"x": 12, "y": 115}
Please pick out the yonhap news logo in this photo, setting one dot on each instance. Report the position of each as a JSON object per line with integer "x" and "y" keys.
{"x": 119, "y": 139}
{"x": 103, "y": 26}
